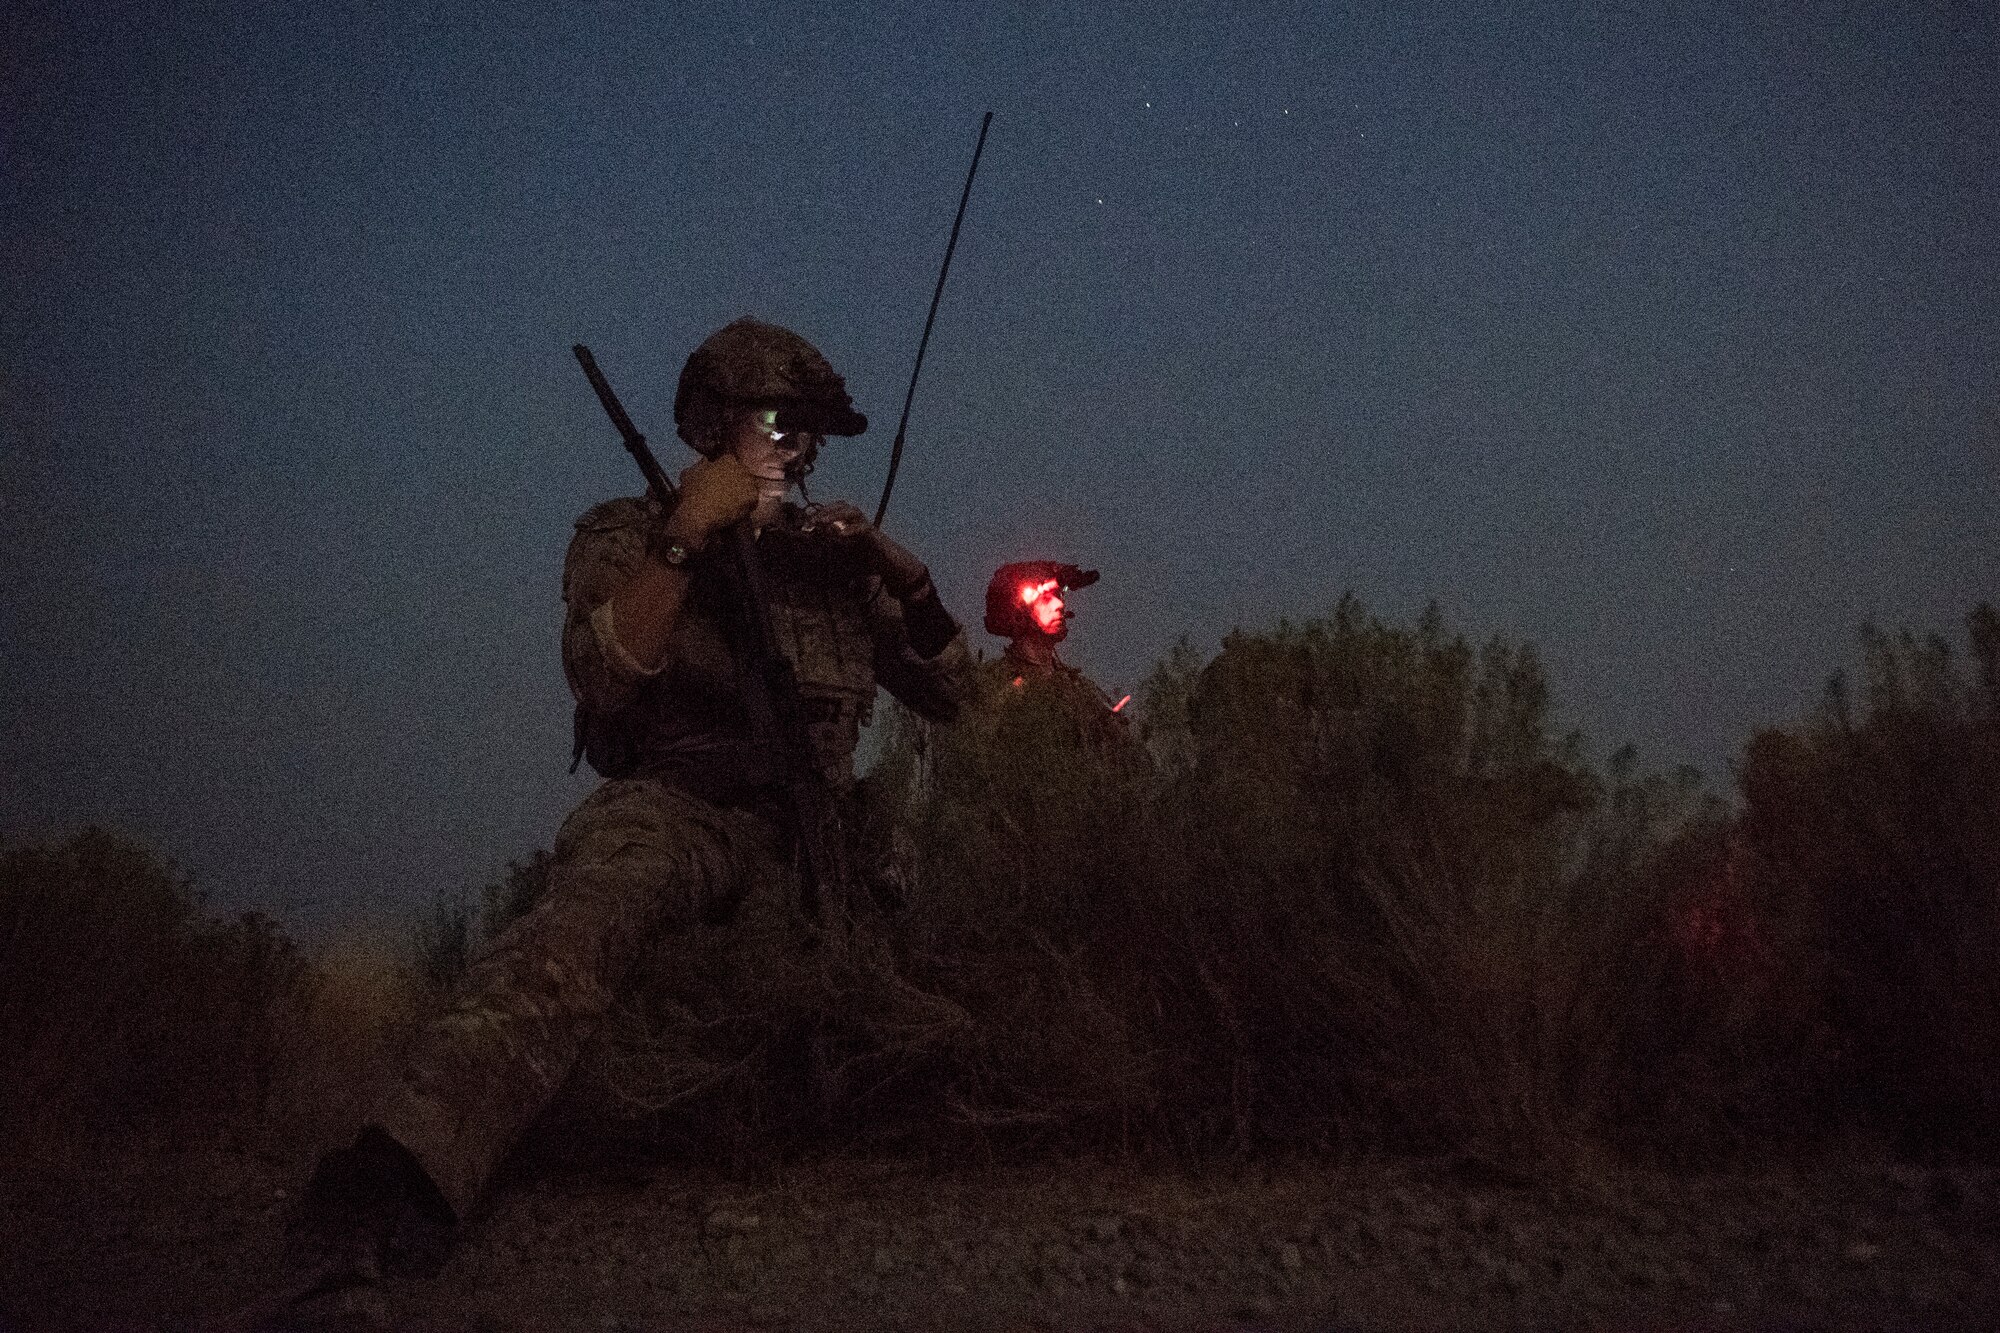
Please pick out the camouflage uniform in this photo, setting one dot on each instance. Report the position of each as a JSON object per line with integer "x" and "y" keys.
{"x": 1082, "y": 695}
{"x": 689, "y": 825}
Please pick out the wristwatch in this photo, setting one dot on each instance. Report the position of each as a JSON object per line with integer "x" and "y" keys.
{"x": 668, "y": 551}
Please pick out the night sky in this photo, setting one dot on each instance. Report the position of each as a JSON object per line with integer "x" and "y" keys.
{"x": 1662, "y": 336}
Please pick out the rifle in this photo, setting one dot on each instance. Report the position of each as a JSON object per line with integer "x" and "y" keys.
{"x": 776, "y": 710}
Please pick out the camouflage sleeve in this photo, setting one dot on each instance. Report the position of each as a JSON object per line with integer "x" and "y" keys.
{"x": 604, "y": 551}
{"x": 934, "y": 687}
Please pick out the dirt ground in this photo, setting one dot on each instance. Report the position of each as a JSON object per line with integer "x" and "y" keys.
{"x": 187, "y": 1239}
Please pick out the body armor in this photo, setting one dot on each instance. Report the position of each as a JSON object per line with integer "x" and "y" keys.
{"x": 689, "y": 725}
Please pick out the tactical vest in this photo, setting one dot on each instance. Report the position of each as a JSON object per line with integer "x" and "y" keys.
{"x": 690, "y": 724}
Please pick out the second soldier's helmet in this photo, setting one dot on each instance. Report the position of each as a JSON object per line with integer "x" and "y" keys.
{"x": 750, "y": 362}
{"x": 1014, "y": 591}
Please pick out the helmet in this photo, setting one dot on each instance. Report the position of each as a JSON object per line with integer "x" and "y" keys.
{"x": 1014, "y": 589}
{"x": 748, "y": 362}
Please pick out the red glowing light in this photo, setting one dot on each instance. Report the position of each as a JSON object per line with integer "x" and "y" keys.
{"x": 1018, "y": 681}
{"x": 1121, "y": 703}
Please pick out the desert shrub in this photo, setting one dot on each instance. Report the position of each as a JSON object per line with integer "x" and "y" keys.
{"x": 1871, "y": 832}
{"x": 1341, "y": 879}
{"x": 452, "y": 933}
{"x": 1359, "y": 887}
{"x": 121, "y": 999}
{"x": 1397, "y": 889}
{"x": 442, "y": 946}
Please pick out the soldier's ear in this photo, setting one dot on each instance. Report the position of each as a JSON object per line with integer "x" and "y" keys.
{"x": 706, "y": 421}
{"x": 711, "y": 439}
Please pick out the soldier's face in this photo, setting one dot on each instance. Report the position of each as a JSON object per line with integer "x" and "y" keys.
{"x": 771, "y": 455}
{"x": 1045, "y": 607}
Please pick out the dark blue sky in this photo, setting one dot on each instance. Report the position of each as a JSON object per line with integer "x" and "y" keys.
{"x": 1662, "y": 336}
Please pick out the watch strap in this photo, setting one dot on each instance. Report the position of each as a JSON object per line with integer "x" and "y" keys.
{"x": 668, "y": 550}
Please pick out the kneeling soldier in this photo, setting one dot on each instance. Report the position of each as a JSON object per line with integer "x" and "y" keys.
{"x": 693, "y": 815}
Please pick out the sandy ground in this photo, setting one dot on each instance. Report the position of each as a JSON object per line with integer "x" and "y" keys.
{"x": 172, "y": 1240}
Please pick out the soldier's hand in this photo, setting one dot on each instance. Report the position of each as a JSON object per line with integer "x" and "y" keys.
{"x": 902, "y": 573}
{"x": 715, "y": 493}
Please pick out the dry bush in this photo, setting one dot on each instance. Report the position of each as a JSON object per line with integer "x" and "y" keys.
{"x": 1028, "y": 840}
{"x": 124, "y": 1004}
{"x": 450, "y": 936}
{"x": 1873, "y": 835}
{"x": 1352, "y": 887}
{"x": 1397, "y": 893}
{"x": 1341, "y": 882}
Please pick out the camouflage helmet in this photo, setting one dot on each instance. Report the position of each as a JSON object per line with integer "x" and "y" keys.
{"x": 1009, "y": 600}
{"x": 749, "y": 361}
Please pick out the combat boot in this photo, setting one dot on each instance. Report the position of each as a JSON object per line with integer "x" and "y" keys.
{"x": 371, "y": 1209}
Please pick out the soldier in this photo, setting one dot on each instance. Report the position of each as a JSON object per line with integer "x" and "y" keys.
{"x": 692, "y": 817}
{"x": 1025, "y": 604}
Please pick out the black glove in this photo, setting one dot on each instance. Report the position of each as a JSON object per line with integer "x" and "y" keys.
{"x": 929, "y": 626}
